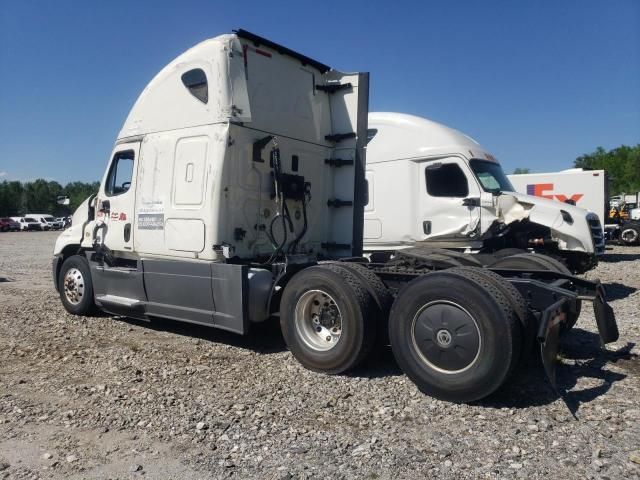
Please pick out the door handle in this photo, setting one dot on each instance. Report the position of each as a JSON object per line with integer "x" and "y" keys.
{"x": 105, "y": 206}
{"x": 471, "y": 202}
{"x": 426, "y": 227}
{"x": 127, "y": 232}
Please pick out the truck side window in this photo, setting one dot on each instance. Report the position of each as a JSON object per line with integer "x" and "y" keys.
{"x": 196, "y": 81}
{"x": 446, "y": 180}
{"x": 120, "y": 174}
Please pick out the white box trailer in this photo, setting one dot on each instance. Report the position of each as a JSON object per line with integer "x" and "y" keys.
{"x": 235, "y": 192}
{"x": 588, "y": 189}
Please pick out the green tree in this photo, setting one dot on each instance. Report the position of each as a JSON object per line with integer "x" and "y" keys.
{"x": 78, "y": 193}
{"x": 40, "y": 196}
{"x": 521, "y": 171}
{"x": 12, "y": 201}
{"x": 622, "y": 164}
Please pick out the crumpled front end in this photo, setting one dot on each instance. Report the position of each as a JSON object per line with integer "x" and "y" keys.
{"x": 569, "y": 227}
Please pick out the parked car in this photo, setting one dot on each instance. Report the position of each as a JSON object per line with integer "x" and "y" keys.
{"x": 9, "y": 225}
{"x": 48, "y": 222}
{"x": 66, "y": 221}
{"x": 27, "y": 223}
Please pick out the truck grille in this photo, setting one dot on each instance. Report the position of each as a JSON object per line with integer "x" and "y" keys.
{"x": 597, "y": 233}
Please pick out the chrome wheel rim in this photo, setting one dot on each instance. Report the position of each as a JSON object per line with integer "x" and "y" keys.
{"x": 446, "y": 337}
{"x": 318, "y": 320}
{"x": 629, "y": 235}
{"x": 74, "y": 286}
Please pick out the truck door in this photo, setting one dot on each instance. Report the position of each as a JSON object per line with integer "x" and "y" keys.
{"x": 450, "y": 209}
{"x": 116, "y": 198}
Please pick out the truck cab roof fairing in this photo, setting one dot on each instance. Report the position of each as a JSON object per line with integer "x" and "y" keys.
{"x": 408, "y": 136}
{"x": 246, "y": 76}
{"x": 167, "y": 104}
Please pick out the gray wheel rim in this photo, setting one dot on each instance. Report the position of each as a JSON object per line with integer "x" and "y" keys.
{"x": 446, "y": 337}
{"x": 318, "y": 320}
{"x": 629, "y": 235}
{"x": 73, "y": 286}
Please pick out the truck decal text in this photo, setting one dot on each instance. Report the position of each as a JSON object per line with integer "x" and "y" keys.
{"x": 545, "y": 190}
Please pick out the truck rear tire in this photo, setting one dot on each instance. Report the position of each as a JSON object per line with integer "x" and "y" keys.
{"x": 327, "y": 318}
{"x": 454, "y": 334}
{"x": 630, "y": 234}
{"x": 75, "y": 286}
{"x": 541, "y": 262}
{"x": 380, "y": 294}
{"x": 525, "y": 332}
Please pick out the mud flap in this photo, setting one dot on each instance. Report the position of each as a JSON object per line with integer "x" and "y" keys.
{"x": 549, "y": 337}
{"x": 605, "y": 318}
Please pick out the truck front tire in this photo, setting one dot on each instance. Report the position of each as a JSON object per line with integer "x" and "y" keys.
{"x": 75, "y": 286}
{"x": 455, "y": 335}
{"x": 327, "y": 318}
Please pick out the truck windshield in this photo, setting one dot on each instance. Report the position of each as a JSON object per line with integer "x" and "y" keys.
{"x": 491, "y": 176}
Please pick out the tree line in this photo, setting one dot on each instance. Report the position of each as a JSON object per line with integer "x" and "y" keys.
{"x": 622, "y": 165}
{"x": 41, "y": 196}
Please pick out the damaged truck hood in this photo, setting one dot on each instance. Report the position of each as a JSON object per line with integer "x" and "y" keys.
{"x": 571, "y": 230}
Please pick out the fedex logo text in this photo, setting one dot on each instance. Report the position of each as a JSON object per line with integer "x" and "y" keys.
{"x": 545, "y": 190}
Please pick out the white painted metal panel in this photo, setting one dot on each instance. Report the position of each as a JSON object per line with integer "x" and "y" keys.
{"x": 283, "y": 96}
{"x": 189, "y": 172}
{"x": 184, "y": 234}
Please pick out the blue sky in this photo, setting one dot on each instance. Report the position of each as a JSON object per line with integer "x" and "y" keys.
{"x": 538, "y": 83}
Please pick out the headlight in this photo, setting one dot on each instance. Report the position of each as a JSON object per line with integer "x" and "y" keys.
{"x": 566, "y": 216}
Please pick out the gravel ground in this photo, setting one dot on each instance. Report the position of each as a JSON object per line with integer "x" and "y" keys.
{"x": 109, "y": 397}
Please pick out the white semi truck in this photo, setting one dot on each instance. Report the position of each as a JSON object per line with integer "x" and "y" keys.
{"x": 430, "y": 185}
{"x": 587, "y": 189}
{"x": 235, "y": 192}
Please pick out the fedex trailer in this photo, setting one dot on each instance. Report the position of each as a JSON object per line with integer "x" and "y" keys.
{"x": 588, "y": 189}
{"x": 584, "y": 188}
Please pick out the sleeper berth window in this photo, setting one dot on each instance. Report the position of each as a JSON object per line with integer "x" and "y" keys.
{"x": 196, "y": 82}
